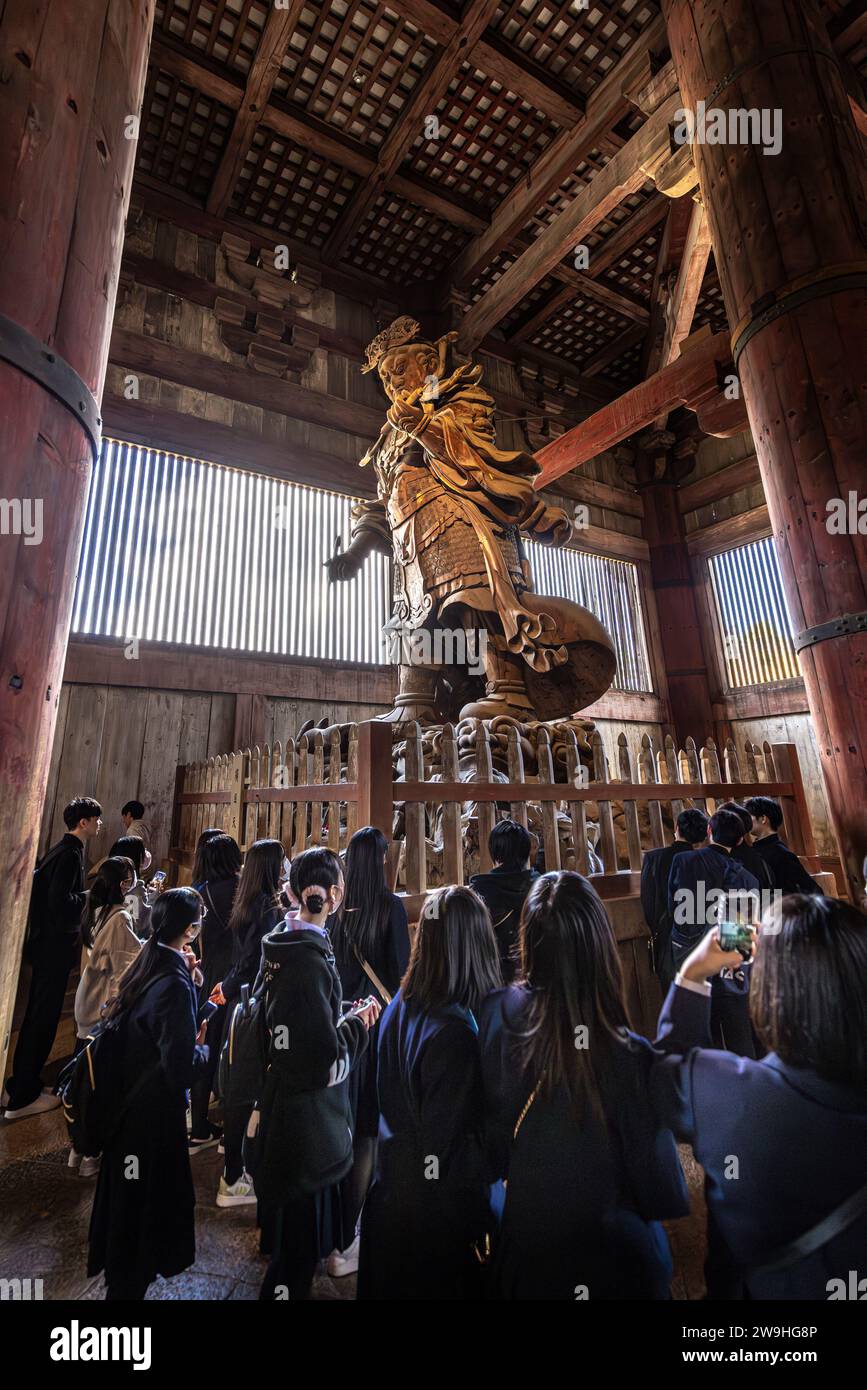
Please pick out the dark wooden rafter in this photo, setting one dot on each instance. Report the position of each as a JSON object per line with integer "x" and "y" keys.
{"x": 264, "y": 69}
{"x": 423, "y": 103}
{"x": 626, "y": 173}
{"x": 605, "y": 107}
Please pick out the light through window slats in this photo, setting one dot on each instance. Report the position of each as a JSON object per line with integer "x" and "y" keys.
{"x": 182, "y": 551}
{"x": 751, "y": 610}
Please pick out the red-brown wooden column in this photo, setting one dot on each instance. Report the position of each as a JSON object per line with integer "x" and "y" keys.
{"x": 657, "y": 469}
{"x": 71, "y": 77}
{"x": 797, "y": 219}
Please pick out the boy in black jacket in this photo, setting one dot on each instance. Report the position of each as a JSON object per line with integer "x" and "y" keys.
{"x": 505, "y": 888}
{"x": 56, "y": 904}
{"x": 787, "y": 871}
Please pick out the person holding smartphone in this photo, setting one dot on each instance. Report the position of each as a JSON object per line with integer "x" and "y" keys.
{"x": 305, "y": 1135}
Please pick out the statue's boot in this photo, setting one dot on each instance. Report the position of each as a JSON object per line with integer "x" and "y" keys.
{"x": 505, "y": 689}
{"x": 415, "y": 698}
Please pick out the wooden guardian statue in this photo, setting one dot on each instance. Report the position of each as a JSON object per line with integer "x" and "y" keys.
{"x": 452, "y": 509}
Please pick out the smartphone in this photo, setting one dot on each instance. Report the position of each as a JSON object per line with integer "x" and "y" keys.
{"x": 206, "y": 1012}
{"x": 158, "y": 877}
{"x": 736, "y": 936}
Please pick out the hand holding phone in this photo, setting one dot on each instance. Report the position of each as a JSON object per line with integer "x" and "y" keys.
{"x": 368, "y": 1010}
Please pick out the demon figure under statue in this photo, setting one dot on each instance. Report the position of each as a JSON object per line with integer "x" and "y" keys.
{"x": 452, "y": 508}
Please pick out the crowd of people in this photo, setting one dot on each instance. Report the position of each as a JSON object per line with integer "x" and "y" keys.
{"x": 462, "y": 1110}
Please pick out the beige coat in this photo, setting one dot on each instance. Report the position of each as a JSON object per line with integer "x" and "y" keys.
{"x": 115, "y": 947}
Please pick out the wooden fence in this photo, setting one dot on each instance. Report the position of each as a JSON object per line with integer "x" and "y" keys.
{"x": 320, "y": 789}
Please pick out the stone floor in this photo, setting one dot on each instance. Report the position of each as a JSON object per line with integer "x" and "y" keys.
{"x": 45, "y": 1210}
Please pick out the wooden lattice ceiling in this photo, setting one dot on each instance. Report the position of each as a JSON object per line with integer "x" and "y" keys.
{"x": 402, "y": 141}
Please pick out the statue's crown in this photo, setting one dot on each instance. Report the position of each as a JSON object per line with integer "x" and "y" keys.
{"x": 400, "y": 331}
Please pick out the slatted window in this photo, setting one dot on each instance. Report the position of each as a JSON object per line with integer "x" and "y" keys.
{"x": 754, "y": 623}
{"x": 609, "y": 588}
{"x": 176, "y": 550}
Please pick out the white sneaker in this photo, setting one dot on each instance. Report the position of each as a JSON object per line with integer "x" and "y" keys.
{"x": 74, "y": 1159}
{"x": 47, "y": 1101}
{"x": 239, "y": 1194}
{"x": 343, "y": 1262}
{"x": 89, "y": 1167}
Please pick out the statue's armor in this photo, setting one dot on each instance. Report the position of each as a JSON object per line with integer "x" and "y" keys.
{"x": 432, "y": 566}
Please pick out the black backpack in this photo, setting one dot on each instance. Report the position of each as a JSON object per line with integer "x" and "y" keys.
{"x": 244, "y": 1058}
{"x": 91, "y": 1087}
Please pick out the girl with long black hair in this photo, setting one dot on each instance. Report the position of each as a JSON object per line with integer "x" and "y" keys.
{"x": 591, "y": 1171}
{"x": 370, "y": 935}
{"x": 109, "y": 938}
{"x": 221, "y": 867}
{"x": 256, "y": 912}
{"x": 305, "y": 1138}
{"x": 139, "y": 899}
{"x": 142, "y": 1219}
{"x": 427, "y": 1208}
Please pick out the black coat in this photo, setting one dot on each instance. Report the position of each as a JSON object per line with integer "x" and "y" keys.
{"x": 503, "y": 891}
{"x": 655, "y": 869}
{"x": 305, "y": 1138}
{"x": 754, "y": 863}
{"x": 57, "y": 898}
{"x": 787, "y": 871}
{"x": 389, "y": 961}
{"x": 428, "y": 1203}
{"x": 216, "y": 938}
{"x": 143, "y": 1225}
{"x": 585, "y": 1196}
{"x": 800, "y": 1143}
{"x": 265, "y": 915}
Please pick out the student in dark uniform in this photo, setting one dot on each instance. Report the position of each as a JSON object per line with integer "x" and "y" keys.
{"x": 690, "y": 833}
{"x": 142, "y": 1219}
{"x": 795, "y": 1122}
{"x": 746, "y": 853}
{"x": 305, "y": 1138}
{"x": 505, "y": 888}
{"x": 428, "y": 1205}
{"x": 370, "y": 937}
{"x": 591, "y": 1171}
{"x": 698, "y": 886}
{"x": 256, "y": 911}
{"x": 786, "y": 869}
{"x": 221, "y": 866}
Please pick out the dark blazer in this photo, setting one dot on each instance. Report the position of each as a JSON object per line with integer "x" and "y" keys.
{"x": 265, "y": 915}
{"x": 800, "y": 1144}
{"x": 428, "y": 1203}
{"x": 655, "y": 869}
{"x": 754, "y": 863}
{"x": 786, "y": 869}
{"x": 503, "y": 891}
{"x": 305, "y": 1134}
{"x": 144, "y": 1227}
{"x": 215, "y": 943}
{"x": 713, "y": 868}
{"x": 58, "y": 896}
{"x": 585, "y": 1195}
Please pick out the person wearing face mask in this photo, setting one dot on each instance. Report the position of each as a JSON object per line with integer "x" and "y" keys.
{"x": 140, "y": 898}
{"x": 256, "y": 911}
{"x": 305, "y": 1135}
{"x": 142, "y": 1222}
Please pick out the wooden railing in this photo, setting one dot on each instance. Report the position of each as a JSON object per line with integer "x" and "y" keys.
{"x": 439, "y": 796}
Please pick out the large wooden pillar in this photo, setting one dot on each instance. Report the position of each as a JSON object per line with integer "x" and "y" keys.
{"x": 790, "y": 241}
{"x": 659, "y": 465}
{"x": 71, "y": 84}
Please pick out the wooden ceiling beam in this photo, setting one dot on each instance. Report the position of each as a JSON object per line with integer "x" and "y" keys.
{"x": 590, "y": 366}
{"x": 692, "y": 381}
{"x": 606, "y": 105}
{"x": 266, "y": 64}
{"x": 680, "y": 310}
{"x": 308, "y": 132}
{"x": 624, "y": 174}
{"x": 423, "y": 103}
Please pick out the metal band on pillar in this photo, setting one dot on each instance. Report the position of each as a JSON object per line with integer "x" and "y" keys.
{"x": 847, "y": 625}
{"x": 22, "y": 350}
{"x": 832, "y": 280}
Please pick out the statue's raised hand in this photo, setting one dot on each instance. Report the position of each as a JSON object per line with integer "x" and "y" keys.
{"x": 345, "y": 564}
